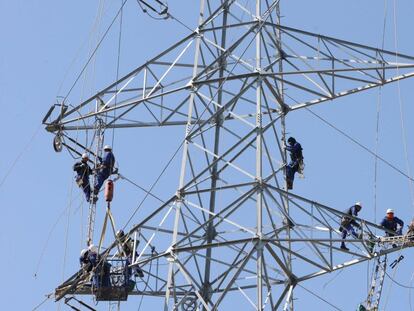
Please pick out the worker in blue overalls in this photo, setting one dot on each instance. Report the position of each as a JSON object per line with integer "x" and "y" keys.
{"x": 348, "y": 223}
{"x": 392, "y": 223}
{"x": 100, "y": 268}
{"x": 83, "y": 171}
{"x": 296, "y": 161}
{"x": 104, "y": 170}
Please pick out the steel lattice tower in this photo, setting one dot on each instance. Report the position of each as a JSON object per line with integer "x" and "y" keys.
{"x": 232, "y": 230}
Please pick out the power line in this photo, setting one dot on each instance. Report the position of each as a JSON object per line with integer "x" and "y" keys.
{"x": 43, "y": 302}
{"x": 403, "y": 130}
{"x": 19, "y": 156}
{"x": 321, "y": 298}
{"x": 360, "y": 145}
{"x": 95, "y": 50}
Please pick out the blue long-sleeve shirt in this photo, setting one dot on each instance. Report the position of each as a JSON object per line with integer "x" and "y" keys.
{"x": 352, "y": 211}
{"x": 391, "y": 224}
{"x": 82, "y": 169}
{"x": 295, "y": 152}
{"x": 108, "y": 162}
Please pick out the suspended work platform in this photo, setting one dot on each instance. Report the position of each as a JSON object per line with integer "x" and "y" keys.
{"x": 109, "y": 281}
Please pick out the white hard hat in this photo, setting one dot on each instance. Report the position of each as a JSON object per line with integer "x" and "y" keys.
{"x": 358, "y": 203}
{"x": 120, "y": 233}
{"x": 83, "y": 252}
{"x": 107, "y": 147}
{"x": 85, "y": 156}
{"x": 93, "y": 249}
{"x": 390, "y": 211}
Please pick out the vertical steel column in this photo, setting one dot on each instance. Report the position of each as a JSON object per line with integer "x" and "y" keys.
{"x": 170, "y": 280}
{"x": 259, "y": 263}
{"x": 289, "y": 300}
{"x": 210, "y": 232}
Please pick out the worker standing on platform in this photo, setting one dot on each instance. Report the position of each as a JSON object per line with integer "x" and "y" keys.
{"x": 348, "y": 223}
{"x": 127, "y": 246}
{"x": 88, "y": 258}
{"x": 391, "y": 223}
{"x": 83, "y": 171}
{"x": 296, "y": 161}
{"x": 100, "y": 268}
{"x": 84, "y": 258}
{"x": 105, "y": 169}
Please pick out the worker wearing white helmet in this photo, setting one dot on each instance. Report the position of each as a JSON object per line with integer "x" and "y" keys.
{"x": 89, "y": 257}
{"x": 348, "y": 223}
{"x": 83, "y": 258}
{"x": 392, "y": 223}
{"x": 83, "y": 171}
{"x": 105, "y": 169}
{"x": 93, "y": 249}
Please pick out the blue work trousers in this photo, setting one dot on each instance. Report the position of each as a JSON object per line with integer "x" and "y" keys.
{"x": 86, "y": 188}
{"x": 291, "y": 169}
{"x": 100, "y": 178}
{"x": 348, "y": 229}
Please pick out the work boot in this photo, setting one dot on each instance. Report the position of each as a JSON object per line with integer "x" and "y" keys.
{"x": 289, "y": 184}
{"x": 344, "y": 247}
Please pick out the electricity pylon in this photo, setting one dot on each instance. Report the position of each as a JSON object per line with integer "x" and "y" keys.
{"x": 232, "y": 230}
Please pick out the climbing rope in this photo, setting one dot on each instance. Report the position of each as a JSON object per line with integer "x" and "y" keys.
{"x": 409, "y": 291}
{"x": 403, "y": 130}
{"x": 90, "y": 73}
{"x": 360, "y": 145}
{"x": 94, "y": 51}
{"x": 320, "y": 298}
{"x": 398, "y": 283}
{"x": 146, "y": 283}
{"x": 67, "y": 232}
{"x": 48, "y": 296}
{"x": 377, "y": 129}
{"x": 19, "y": 156}
{"x": 393, "y": 276}
{"x": 141, "y": 188}
{"x": 42, "y": 253}
{"x": 404, "y": 139}
{"x": 117, "y": 66}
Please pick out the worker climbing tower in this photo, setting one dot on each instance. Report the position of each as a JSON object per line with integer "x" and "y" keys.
{"x": 232, "y": 230}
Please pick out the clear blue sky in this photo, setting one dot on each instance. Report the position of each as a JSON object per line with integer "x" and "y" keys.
{"x": 40, "y": 40}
